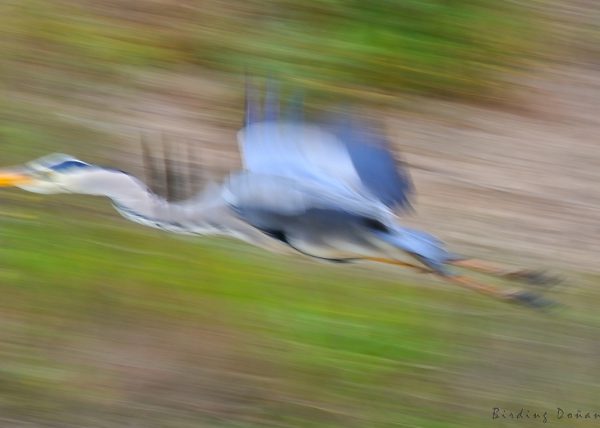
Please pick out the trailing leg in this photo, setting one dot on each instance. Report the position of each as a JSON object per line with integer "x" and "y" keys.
{"x": 535, "y": 277}
{"x": 523, "y": 297}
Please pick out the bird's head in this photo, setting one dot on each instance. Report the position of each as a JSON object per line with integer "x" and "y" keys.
{"x": 56, "y": 173}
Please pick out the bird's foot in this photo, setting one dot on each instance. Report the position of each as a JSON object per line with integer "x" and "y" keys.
{"x": 531, "y": 300}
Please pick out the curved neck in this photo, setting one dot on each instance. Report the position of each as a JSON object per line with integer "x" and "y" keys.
{"x": 206, "y": 213}
{"x": 133, "y": 200}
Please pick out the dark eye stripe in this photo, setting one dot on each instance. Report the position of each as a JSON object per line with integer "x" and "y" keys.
{"x": 69, "y": 164}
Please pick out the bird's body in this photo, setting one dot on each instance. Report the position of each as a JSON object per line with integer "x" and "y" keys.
{"x": 268, "y": 211}
{"x": 328, "y": 191}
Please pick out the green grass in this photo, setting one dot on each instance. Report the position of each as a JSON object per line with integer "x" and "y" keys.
{"x": 107, "y": 324}
{"x": 330, "y": 328}
{"x": 376, "y": 50}
{"x": 306, "y": 344}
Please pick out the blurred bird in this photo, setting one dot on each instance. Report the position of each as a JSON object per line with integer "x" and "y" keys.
{"x": 330, "y": 191}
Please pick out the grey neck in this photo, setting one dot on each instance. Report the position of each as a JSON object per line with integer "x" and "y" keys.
{"x": 134, "y": 201}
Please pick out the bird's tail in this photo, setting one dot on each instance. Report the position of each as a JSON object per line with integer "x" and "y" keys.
{"x": 432, "y": 253}
{"x": 426, "y": 248}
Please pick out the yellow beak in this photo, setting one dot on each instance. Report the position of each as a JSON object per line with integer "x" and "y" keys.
{"x": 9, "y": 178}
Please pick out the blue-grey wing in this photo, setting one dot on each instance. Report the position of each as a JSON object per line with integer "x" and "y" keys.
{"x": 289, "y": 196}
{"x": 298, "y": 151}
{"x": 374, "y": 162}
{"x": 343, "y": 154}
{"x": 310, "y": 217}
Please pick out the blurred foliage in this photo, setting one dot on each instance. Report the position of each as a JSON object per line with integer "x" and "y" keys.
{"x": 457, "y": 48}
{"x": 102, "y": 318}
{"x": 460, "y": 48}
{"x": 108, "y": 324}
{"x": 67, "y": 282}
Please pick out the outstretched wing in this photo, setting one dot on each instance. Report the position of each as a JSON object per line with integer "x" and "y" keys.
{"x": 178, "y": 199}
{"x": 344, "y": 153}
{"x": 379, "y": 171}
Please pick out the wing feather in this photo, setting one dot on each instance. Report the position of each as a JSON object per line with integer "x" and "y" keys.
{"x": 343, "y": 154}
{"x": 374, "y": 162}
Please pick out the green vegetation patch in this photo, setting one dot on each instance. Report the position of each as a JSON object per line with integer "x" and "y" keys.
{"x": 461, "y": 48}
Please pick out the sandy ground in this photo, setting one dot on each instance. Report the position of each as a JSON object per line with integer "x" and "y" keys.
{"x": 516, "y": 184}
{"x": 520, "y": 185}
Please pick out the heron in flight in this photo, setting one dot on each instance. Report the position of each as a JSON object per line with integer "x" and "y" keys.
{"x": 332, "y": 191}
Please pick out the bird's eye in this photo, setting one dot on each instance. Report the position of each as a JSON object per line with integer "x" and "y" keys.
{"x": 46, "y": 174}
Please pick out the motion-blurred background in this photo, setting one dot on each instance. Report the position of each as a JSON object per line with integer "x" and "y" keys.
{"x": 494, "y": 104}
